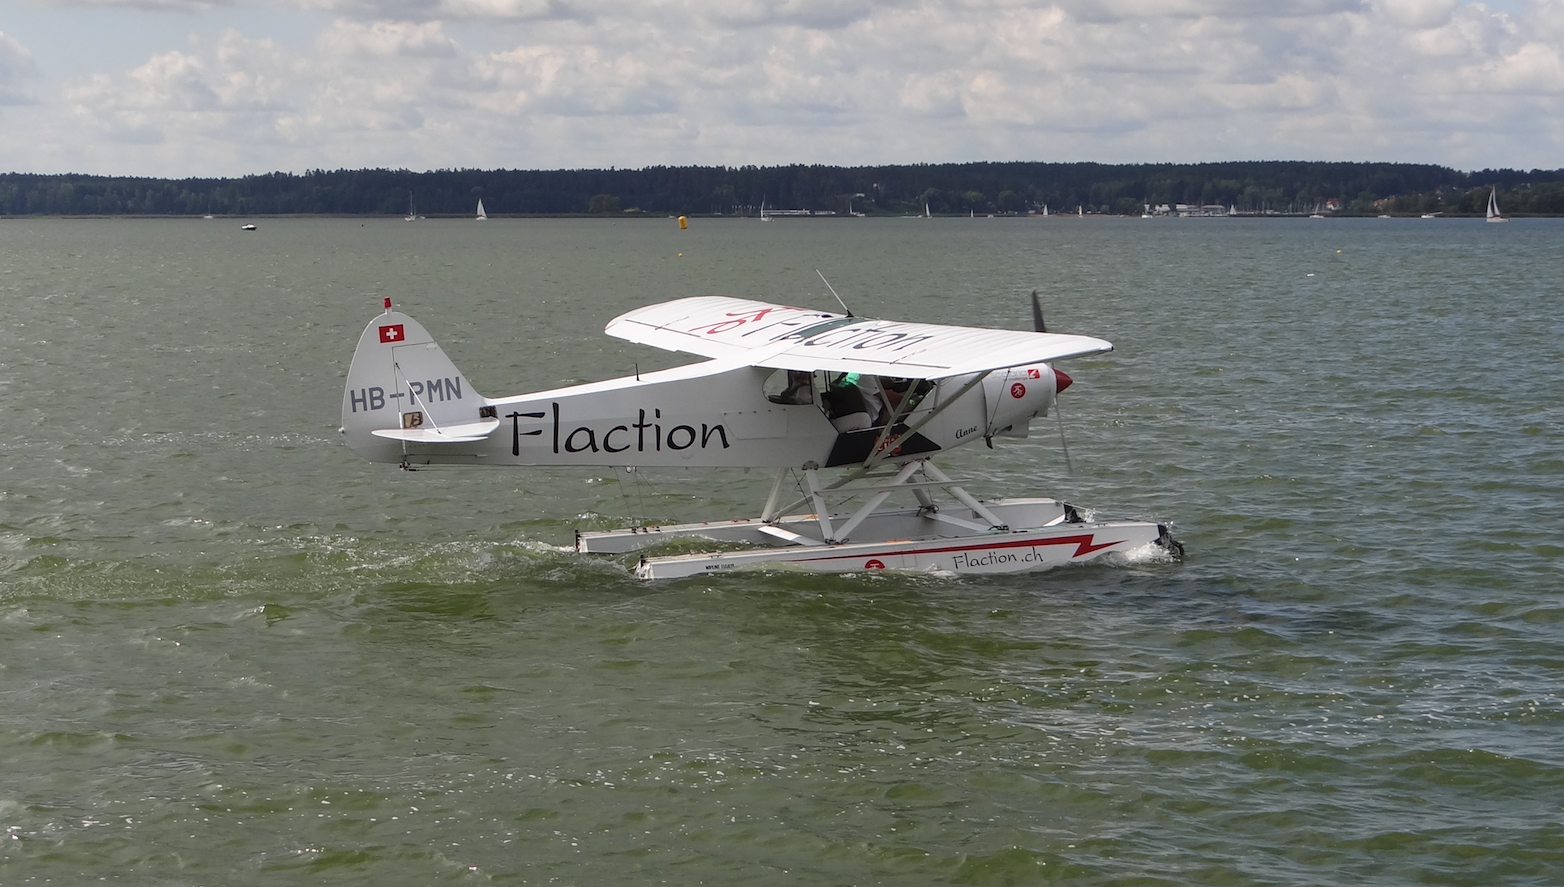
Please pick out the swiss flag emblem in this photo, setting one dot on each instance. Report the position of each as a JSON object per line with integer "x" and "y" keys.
{"x": 392, "y": 333}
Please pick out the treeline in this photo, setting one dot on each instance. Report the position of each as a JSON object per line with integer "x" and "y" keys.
{"x": 1259, "y": 186}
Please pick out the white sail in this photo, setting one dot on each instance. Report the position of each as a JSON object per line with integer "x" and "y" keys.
{"x": 1493, "y": 207}
{"x": 481, "y": 214}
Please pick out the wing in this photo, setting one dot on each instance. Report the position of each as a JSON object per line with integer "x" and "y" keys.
{"x": 763, "y": 334}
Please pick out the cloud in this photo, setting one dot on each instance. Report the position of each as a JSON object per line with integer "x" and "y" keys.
{"x": 149, "y": 5}
{"x": 1140, "y": 10}
{"x": 566, "y": 83}
{"x": 18, "y": 72}
{"x": 233, "y": 88}
{"x": 818, "y": 14}
{"x": 385, "y": 40}
{"x": 827, "y": 15}
{"x": 388, "y": 78}
{"x": 1417, "y": 14}
{"x": 1533, "y": 69}
{"x": 932, "y": 96}
{"x": 448, "y": 10}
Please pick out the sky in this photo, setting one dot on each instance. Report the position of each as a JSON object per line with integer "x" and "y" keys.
{"x": 182, "y": 88}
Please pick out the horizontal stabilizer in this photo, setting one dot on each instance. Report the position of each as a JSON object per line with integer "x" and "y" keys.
{"x": 449, "y": 434}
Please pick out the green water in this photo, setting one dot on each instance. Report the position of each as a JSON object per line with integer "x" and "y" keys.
{"x": 232, "y": 653}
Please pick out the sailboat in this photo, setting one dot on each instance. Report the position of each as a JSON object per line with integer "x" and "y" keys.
{"x": 926, "y": 213}
{"x": 482, "y": 216}
{"x": 763, "y": 216}
{"x": 412, "y": 215}
{"x": 1493, "y": 207}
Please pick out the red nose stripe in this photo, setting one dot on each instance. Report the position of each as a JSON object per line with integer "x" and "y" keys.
{"x": 1061, "y": 381}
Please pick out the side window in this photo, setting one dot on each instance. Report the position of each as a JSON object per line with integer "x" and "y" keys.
{"x": 790, "y": 387}
{"x": 910, "y": 390}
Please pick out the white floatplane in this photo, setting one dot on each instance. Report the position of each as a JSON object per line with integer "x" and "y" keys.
{"x": 796, "y": 390}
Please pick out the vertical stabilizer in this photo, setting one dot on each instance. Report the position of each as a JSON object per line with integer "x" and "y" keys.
{"x": 401, "y": 387}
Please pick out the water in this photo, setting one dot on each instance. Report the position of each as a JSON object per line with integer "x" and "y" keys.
{"x": 232, "y": 653}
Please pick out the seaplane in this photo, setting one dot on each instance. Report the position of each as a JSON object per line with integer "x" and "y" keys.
{"x": 853, "y": 410}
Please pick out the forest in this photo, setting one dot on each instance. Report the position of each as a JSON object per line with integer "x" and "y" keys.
{"x": 1252, "y": 187}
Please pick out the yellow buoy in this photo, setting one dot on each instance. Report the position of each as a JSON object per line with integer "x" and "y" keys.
{"x": 683, "y": 223}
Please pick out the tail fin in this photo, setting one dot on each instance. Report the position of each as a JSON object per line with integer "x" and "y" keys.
{"x": 402, "y": 388}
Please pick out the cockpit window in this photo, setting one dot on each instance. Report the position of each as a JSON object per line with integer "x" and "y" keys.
{"x": 850, "y": 400}
{"x": 790, "y": 387}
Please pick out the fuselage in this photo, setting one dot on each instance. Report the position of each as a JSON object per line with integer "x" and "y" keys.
{"x": 403, "y": 391}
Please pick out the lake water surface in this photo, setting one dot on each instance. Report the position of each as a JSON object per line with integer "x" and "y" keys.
{"x": 232, "y": 653}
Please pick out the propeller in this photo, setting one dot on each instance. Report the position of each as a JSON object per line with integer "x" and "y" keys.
{"x": 1061, "y": 382}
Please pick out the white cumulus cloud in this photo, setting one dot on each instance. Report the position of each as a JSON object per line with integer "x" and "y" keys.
{"x": 552, "y": 83}
{"x": 18, "y": 72}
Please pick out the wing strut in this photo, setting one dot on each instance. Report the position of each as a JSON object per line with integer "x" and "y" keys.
{"x": 876, "y": 456}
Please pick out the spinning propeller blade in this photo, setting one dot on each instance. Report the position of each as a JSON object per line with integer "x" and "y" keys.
{"x": 1062, "y": 381}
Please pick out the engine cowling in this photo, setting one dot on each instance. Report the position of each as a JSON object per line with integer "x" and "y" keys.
{"x": 1017, "y": 395}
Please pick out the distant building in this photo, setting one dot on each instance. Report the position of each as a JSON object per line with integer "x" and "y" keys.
{"x": 1190, "y": 210}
